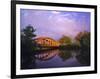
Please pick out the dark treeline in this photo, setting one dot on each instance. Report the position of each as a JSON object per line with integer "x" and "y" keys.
{"x": 27, "y": 46}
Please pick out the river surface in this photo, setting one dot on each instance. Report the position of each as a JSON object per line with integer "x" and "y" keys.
{"x": 58, "y": 58}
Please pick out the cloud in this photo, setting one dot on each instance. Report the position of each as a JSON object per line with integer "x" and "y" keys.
{"x": 54, "y": 23}
{"x": 55, "y": 12}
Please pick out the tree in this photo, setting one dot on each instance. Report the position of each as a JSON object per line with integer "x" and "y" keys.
{"x": 65, "y": 40}
{"x": 27, "y": 45}
{"x": 29, "y": 32}
{"x": 83, "y": 38}
{"x": 79, "y": 35}
{"x": 27, "y": 36}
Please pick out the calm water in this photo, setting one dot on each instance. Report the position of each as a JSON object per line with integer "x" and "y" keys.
{"x": 58, "y": 58}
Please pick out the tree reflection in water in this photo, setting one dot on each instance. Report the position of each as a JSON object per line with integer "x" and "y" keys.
{"x": 28, "y": 62}
{"x": 84, "y": 57}
{"x": 64, "y": 55}
{"x": 58, "y": 58}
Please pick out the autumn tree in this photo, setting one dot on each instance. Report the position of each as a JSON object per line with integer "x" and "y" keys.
{"x": 65, "y": 40}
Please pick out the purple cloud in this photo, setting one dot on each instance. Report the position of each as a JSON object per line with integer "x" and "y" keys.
{"x": 55, "y": 23}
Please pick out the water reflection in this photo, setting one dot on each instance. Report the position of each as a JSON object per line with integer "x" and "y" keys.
{"x": 84, "y": 57}
{"x": 47, "y": 55}
{"x": 66, "y": 54}
{"x": 59, "y": 58}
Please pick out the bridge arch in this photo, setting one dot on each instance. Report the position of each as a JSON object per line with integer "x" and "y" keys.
{"x": 46, "y": 41}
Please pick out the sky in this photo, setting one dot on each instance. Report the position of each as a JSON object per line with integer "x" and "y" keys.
{"x": 55, "y": 24}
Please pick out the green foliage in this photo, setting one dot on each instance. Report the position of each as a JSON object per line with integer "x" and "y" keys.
{"x": 27, "y": 36}
{"x": 65, "y": 40}
{"x": 27, "y": 46}
{"x": 28, "y": 32}
{"x": 83, "y": 38}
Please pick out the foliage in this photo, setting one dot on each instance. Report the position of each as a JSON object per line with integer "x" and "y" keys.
{"x": 65, "y": 40}
{"x": 83, "y": 38}
{"x": 28, "y": 32}
{"x": 27, "y": 45}
{"x": 27, "y": 36}
{"x": 79, "y": 35}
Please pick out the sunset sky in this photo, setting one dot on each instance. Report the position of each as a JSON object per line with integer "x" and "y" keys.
{"x": 55, "y": 24}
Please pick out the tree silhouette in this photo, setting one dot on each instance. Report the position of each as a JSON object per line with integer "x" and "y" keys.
{"x": 27, "y": 45}
{"x": 29, "y": 32}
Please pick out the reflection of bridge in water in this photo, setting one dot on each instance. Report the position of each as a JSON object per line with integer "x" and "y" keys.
{"x": 46, "y": 55}
{"x": 47, "y": 42}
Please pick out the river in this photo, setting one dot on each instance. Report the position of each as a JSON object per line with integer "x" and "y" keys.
{"x": 59, "y": 58}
